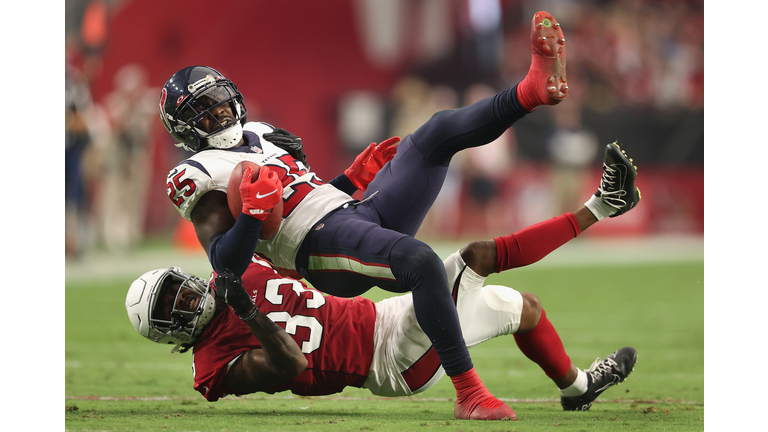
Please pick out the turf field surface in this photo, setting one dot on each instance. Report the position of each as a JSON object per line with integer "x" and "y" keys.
{"x": 651, "y": 297}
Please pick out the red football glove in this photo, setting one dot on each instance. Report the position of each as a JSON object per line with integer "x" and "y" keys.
{"x": 260, "y": 196}
{"x": 369, "y": 162}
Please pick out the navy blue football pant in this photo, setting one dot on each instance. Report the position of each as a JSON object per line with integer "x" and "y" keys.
{"x": 371, "y": 243}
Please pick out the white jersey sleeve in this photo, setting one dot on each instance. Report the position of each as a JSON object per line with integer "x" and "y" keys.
{"x": 210, "y": 169}
{"x": 306, "y": 198}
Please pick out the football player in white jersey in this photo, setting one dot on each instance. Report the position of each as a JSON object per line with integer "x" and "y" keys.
{"x": 345, "y": 247}
{"x": 352, "y": 342}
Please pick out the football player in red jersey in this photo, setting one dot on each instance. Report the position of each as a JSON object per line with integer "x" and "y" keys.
{"x": 279, "y": 334}
{"x": 341, "y": 246}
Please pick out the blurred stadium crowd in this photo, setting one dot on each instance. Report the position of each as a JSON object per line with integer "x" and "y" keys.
{"x": 635, "y": 72}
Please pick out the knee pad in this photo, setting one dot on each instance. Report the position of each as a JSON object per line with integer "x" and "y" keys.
{"x": 503, "y": 299}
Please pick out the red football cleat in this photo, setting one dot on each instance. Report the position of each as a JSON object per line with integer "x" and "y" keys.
{"x": 490, "y": 409}
{"x": 545, "y": 83}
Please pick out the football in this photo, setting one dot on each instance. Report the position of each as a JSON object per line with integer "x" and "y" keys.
{"x": 272, "y": 222}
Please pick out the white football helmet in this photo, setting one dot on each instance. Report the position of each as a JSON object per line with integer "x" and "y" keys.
{"x": 184, "y": 326}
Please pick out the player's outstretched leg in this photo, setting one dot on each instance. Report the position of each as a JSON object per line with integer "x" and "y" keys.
{"x": 601, "y": 376}
{"x": 416, "y": 266}
{"x": 617, "y": 193}
{"x": 545, "y": 83}
{"x": 407, "y": 187}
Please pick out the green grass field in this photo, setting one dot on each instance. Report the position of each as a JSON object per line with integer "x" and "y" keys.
{"x": 598, "y": 301}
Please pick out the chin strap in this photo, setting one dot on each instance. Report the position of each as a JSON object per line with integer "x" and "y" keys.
{"x": 227, "y": 138}
{"x": 184, "y": 146}
{"x": 181, "y": 349}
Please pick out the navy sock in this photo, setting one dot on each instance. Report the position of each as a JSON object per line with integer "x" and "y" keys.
{"x": 507, "y": 106}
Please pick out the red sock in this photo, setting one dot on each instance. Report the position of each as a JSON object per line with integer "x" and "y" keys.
{"x": 527, "y": 90}
{"x": 544, "y": 347}
{"x": 470, "y": 392}
{"x": 535, "y": 242}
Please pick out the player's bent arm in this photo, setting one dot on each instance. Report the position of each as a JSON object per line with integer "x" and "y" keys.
{"x": 229, "y": 244}
{"x": 211, "y": 216}
{"x": 280, "y": 359}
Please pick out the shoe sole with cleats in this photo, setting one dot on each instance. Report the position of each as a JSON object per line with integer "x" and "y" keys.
{"x": 548, "y": 41}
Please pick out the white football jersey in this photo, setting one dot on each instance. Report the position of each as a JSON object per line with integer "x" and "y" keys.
{"x": 306, "y": 198}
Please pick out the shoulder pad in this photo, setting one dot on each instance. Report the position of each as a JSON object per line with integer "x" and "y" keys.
{"x": 259, "y": 128}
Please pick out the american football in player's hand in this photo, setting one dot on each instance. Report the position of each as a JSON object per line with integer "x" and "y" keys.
{"x": 272, "y": 222}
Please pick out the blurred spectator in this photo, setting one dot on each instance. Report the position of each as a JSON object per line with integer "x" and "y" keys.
{"x": 77, "y": 139}
{"x": 361, "y": 120}
{"x": 86, "y": 125}
{"x": 636, "y": 64}
{"x": 413, "y": 101}
{"x": 411, "y": 105}
{"x": 93, "y": 34}
{"x": 485, "y": 32}
{"x": 573, "y": 151}
{"x": 484, "y": 172}
{"x": 633, "y": 53}
{"x": 444, "y": 217}
{"x": 132, "y": 109}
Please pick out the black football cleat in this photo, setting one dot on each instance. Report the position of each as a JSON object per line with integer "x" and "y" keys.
{"x": 601, "y": 376}
{"x": 617, "y": 186}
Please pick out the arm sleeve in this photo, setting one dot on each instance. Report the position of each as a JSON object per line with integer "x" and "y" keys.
{"x": 535, "y": 242}
{"x": 344, "y": 184}
{"x": 234, "y": 249}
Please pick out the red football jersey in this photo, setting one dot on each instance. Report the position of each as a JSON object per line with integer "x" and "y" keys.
{"x": 335, "y": 334}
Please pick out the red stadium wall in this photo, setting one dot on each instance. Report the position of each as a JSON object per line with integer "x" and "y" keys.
{"x": 313, "y": 57}
{"x": 293, "y": 67}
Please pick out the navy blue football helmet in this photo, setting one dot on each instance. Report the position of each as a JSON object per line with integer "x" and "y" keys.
{"x": 190, "y": 96}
